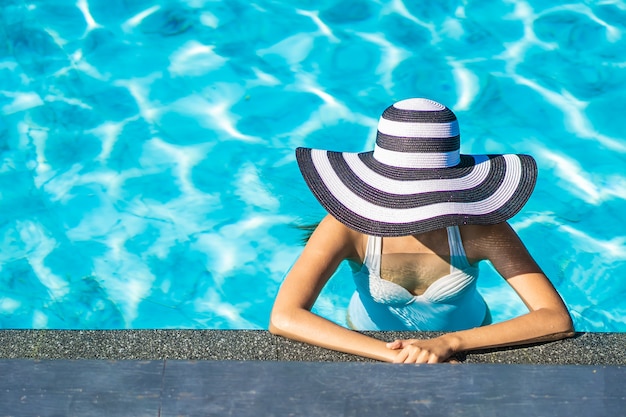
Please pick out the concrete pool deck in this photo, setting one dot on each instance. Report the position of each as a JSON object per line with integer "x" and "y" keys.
{"x": 251, "y": 373}
{"x": 260, "y": 345}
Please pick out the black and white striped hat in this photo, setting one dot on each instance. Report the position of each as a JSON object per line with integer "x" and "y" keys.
{"x": 416, "y": 180}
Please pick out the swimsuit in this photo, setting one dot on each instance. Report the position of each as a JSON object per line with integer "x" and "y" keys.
{"x": 450, "y": 303}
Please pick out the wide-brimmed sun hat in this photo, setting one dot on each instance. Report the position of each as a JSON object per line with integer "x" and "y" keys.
{"x": 416, "y": 180}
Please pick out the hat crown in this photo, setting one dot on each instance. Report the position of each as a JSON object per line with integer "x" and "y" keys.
{"x": 418, "y": 104}
{"x": 418, "y": 133}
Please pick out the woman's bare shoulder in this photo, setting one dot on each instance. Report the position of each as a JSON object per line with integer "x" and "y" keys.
{"x": 483, "y": 240}
{"x": 501, "y": 245}
{"x": 332, "y": 233}
{"x": 488, "y": 232}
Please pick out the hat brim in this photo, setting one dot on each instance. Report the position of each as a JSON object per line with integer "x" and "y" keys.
{"x": 379, "y": 200}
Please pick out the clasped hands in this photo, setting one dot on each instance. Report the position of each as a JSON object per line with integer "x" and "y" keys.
{"x": 416, "y": 351}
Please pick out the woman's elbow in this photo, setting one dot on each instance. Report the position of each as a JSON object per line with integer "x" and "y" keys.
{"x": 562, "y": 324}
{"x": 279, "y": 322}
{"x": 274, "y": 328}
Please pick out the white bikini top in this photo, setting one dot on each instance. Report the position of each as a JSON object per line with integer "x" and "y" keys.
{"x": 444, "y": 289}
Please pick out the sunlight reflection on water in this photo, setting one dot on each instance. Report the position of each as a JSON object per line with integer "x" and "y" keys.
{"x": 147, "y": 176}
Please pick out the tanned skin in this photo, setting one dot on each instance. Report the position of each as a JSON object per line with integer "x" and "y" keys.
{"x": 332, "y": 242}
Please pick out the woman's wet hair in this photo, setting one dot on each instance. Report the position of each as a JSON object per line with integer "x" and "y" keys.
{"x": 307, "y": 230}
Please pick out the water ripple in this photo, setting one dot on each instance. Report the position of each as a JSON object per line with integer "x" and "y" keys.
{"x": 147, "y": 176}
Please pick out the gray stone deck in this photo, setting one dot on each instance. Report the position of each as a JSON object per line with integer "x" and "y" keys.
{"x": 583, "y": 349}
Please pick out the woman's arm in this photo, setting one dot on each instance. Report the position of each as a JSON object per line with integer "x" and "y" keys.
{"x": 547, "y": 319}
{"x": 291, "y": 317}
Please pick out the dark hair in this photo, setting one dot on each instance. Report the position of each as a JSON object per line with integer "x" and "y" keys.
{"x": 307, "y": 230}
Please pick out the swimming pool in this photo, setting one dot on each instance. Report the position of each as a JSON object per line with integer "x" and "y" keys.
{"x": 147, "y": 174}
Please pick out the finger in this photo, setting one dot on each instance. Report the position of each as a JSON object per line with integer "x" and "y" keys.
{"x": 396, "y": 344}
{"x": 433, "y": 358}
{"x": 406, "y": 355}
{"x": 411, "y": 356}
{"x": 400, "y": 357}
{"x": 423, "y": 357}
{"x": 402, "y": 343}
{"x": 413, "y": 352}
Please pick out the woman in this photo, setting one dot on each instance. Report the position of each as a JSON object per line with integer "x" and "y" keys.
{"x": 413, "y": 218}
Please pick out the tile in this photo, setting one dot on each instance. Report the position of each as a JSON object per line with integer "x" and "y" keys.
{"x": 369, "y": 389}
{"x": 80, "y": 388}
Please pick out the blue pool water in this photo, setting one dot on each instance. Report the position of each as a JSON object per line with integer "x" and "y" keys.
{"x": 147, "y": 174}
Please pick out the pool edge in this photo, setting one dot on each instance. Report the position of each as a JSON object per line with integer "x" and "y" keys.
{"x": 583, "y": 349}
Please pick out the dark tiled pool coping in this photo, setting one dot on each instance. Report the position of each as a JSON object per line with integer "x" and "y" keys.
{"x": 164, "y": 388}
{"x": 258, "y": 345}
